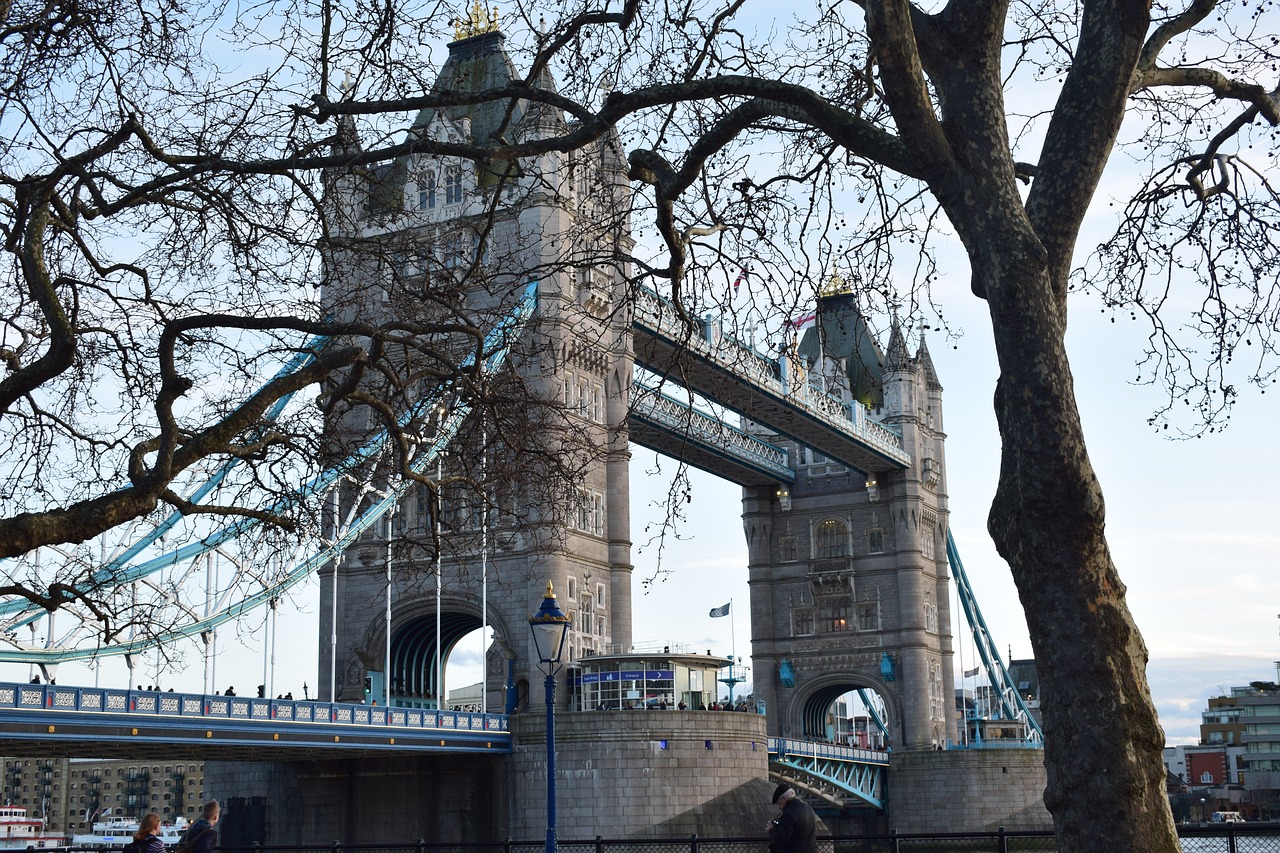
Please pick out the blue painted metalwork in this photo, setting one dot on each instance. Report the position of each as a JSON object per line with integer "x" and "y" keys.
{"x": 1011, "y": 703}
{"x": 91, "y": 714}
{"x": 786, "y": 675}
{"x": 869, "y": 704}
{"x": 106, "y": 575}
{"x": 496, "y": 347}
{"x": 678, "y": 418}
{"x": 831, "y": 771}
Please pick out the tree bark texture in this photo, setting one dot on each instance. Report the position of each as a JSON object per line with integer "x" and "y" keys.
{"x": 1103, "y": 742}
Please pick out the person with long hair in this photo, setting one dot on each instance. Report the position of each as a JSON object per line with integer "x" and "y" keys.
{"x": 147, "y": 838}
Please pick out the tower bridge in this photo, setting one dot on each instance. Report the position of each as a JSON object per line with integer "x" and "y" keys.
{"x": 839, "y": 446}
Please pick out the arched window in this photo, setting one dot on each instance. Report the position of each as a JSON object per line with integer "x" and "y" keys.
{"x": 453, "y": 186}
{"x": 427, "y": 192}
{"x": 832, "y": 538}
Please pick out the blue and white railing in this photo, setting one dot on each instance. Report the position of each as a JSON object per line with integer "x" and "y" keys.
{"x": 148, "y": 703}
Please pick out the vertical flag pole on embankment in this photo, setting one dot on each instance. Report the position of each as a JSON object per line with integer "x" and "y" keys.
{"x": 724, "y": 610}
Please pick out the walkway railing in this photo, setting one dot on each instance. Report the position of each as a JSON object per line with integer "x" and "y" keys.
{"x": 835, "y": 751}
{"x": 51, "y": 697}
{"x": 679, "y": 418}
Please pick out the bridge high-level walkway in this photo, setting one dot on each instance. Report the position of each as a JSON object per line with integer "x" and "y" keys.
{"x": 720, "y": 368}
{"x": 677, "y": 429}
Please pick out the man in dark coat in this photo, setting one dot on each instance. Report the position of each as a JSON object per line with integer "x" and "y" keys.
{"x": 795, "y": 829}
{"x": 201, "y": 837}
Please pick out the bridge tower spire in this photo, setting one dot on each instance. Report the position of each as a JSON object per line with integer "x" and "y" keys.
{"x": 847, "y": 568}
{"x": 535, "y": 489}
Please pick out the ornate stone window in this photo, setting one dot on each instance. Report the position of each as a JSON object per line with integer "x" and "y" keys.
{"x": 788, "y": 546}
{"x": 935, "y": 690}
{"x": 831, "y": 538}
{"x": 875, "y": 541}
{"x": 869, "y": 616}
{"x": 453, "y": 186}
{"x": 427, "y": 192}
{"x": 928, "y": 536}
{"x": 802, "y": 622}
{"x": 835, "y": 613}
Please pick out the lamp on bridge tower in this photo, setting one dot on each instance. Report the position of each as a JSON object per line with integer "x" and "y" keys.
{"x": 550, "y": 627}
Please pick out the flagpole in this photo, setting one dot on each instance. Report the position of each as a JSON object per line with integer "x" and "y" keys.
{"x": 733, "y": 635}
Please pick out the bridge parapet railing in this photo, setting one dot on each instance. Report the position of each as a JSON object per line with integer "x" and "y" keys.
{"x": 782, "y": 747}
{"x": 53, "y": 697}
{"x": 650, "y": 647}
{"x": 658, "y": 314}
{"x": 680, "y": 417}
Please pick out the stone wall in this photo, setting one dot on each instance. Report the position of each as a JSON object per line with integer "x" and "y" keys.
{"x": 616, "y": 779}
{"x": 354, "y": 801}
{"x": 967, "y": 790}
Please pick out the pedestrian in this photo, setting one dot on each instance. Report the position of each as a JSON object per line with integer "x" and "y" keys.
{"x": 795, "y": 829}
{"x": 201, "y": 837}
{"x": 147, "y": 838}
{"x": 231, "y": 691}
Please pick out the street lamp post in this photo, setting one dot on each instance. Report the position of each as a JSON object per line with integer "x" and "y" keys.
{"x": 550, "y": 626}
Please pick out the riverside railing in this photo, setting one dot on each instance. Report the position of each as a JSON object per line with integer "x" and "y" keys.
{"x": 1220, "y": 838}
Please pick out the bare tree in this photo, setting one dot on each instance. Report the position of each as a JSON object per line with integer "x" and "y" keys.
{"x": 173, "y": 237}
{"x": 158, "y": 207}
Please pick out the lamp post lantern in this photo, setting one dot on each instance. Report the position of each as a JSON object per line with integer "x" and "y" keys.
{"x": 550, "y": 627}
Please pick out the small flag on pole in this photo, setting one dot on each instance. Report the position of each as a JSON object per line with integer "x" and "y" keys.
{"x": 742, "y": 276}
{"x": 970, "y": 673}
{"x": 719, "y": 611}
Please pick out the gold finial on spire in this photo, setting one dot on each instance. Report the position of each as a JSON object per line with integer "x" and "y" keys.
{"x": 479, "y": 21}
{"x": 835, "y": 285}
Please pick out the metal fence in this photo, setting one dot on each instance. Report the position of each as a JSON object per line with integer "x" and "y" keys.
{"x": 1227, "y": 838}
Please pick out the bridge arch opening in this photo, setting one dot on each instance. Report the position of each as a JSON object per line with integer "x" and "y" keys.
{"x": 847, "y": 713}
{"x": 415, "y": 680}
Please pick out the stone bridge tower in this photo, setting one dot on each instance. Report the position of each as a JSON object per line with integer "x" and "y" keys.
{"x": 848, "y": 569}
{"x": 449, "y": 240}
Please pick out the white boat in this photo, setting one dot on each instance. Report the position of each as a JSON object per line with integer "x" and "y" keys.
{"x": 116, "y": 832}
{"x": 19, "y": 832}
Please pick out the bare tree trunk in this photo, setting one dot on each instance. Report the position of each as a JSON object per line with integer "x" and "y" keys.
{"x": 1103, "y": 741}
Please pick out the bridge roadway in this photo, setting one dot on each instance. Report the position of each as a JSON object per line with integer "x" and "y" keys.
{"x": 85, "y": 722}
{"x": 720, "y": 368}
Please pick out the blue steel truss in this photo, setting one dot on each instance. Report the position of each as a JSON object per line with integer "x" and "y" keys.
{"x": 1012, "y": 705}
{"x": 831, "y": 772}
{"x": 496, "y": 348}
